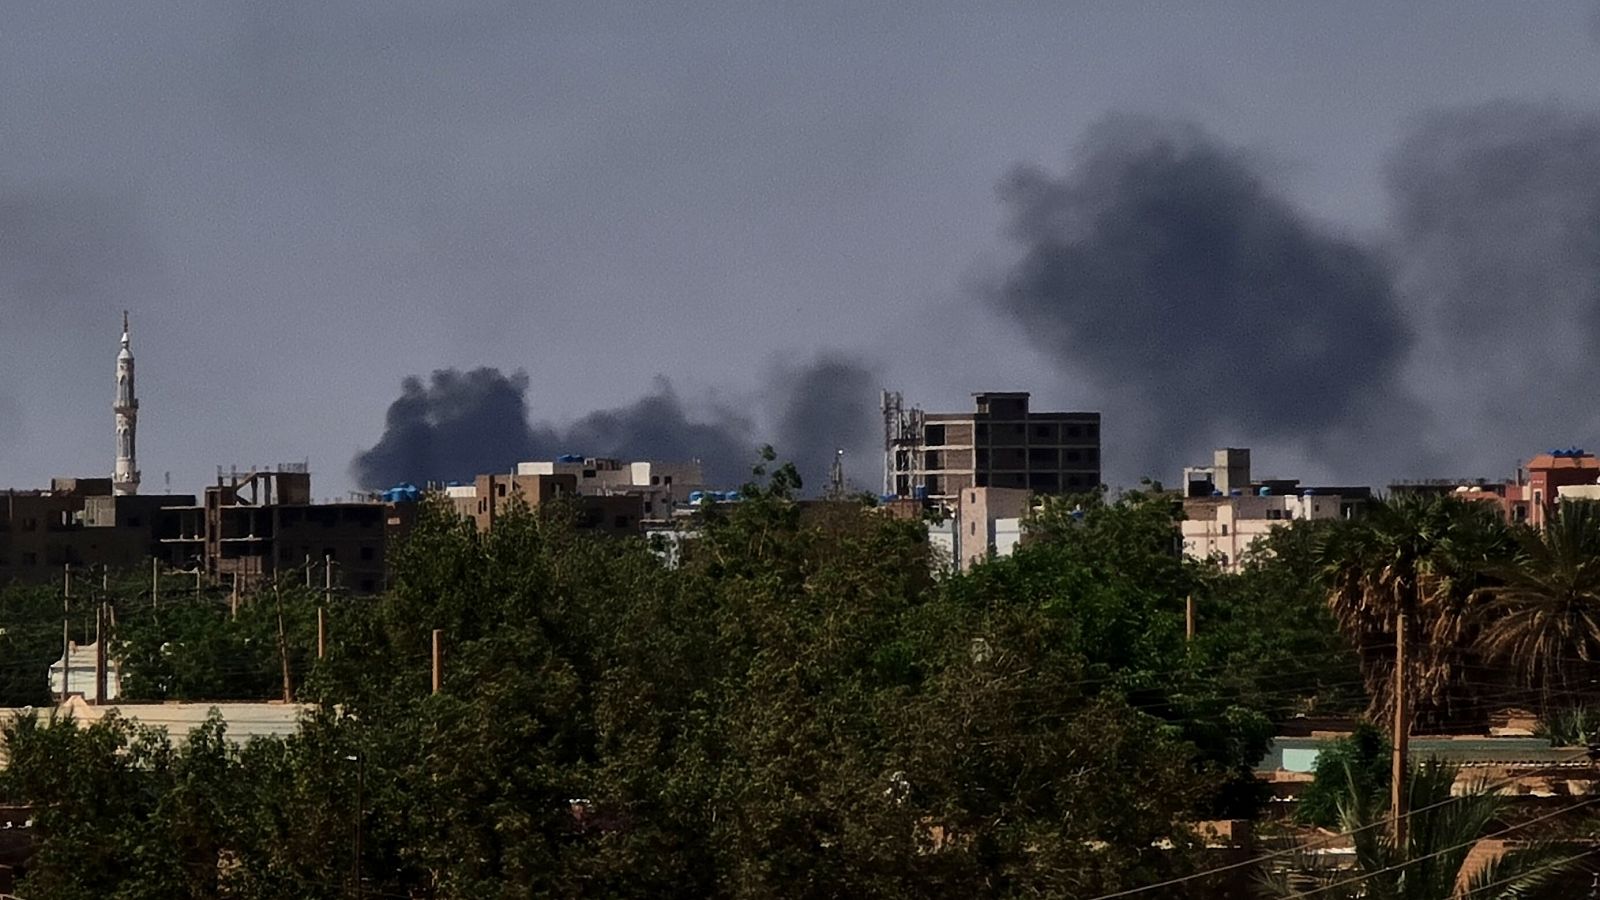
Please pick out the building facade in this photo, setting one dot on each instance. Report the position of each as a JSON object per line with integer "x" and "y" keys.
{"x": 1002, "y": 443}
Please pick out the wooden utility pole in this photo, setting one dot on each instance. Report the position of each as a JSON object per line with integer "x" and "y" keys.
{"x": 322, "y": 632}
{"x": 308, "y": 571}
{"x": 438, "y": 660}
{"x": 66, "y": 629}
{"x": 327, "y": 579}
{"x": 283, "y": 649}
{"x": 100, "y": 636}
{"x": 155, "y": 582}
{"x": 1402, "y": 733}
{"x": 1188, "y": 618}
{"x": 233, "y": 603}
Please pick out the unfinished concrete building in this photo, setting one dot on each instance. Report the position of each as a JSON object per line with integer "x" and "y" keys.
{"x": 1001, "y": 444}
{"x": 258, "y": 524}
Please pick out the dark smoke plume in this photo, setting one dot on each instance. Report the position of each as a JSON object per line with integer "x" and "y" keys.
{"x": 461, "y": 425}
{"x": 455, "y": 427}
{"x": 828, "y": 405}
{"x": 1497, "y": 214}
{"x": 1166, "y": 268}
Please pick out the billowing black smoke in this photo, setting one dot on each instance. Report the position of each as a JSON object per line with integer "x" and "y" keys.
{"x": 462, "y": 424}
{"x": 825, "y": 406}
{"x": 1497, "y": 220}
{"x": 455, "y": 427}
{"x": 1165, "y": 268}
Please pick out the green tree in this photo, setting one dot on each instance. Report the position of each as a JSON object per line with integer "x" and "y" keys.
{"x": 1433, "y": 864}
{"x": 1540, "y": 615}
{"x": 1417, "y": 557}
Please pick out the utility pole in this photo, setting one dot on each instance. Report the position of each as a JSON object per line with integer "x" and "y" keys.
{"x": 66, "y": 629}
{"x": 1188, "y": 618}
{"x": 233, "y": 603}
{"x": 322, "y": 632}
{"x": 308, "y": 571}
{"x": 155, "y": 582}
{"x": 1402, "y": 733}
{"x": 100, "y": 636}
{"x": 327, "y": 579}
{"x": 283, "y": 649}
{"x": 438, "y": 660}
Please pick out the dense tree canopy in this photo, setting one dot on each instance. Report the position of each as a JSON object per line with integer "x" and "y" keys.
{"x": 805, "y": 705}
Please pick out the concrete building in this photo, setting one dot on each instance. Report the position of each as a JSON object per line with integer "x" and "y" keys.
{"x": 77, "y": 522}
{"x": 491, "y": 496}
{"x": 1533, "y": 495}
{"x": 610, "y": 495}
{"x": 1549, "y": 473}
{"x": 1000, "y": 444}
{"x": 1225, "y": 528}
{"x": 988, "y": 523}
{"x": 661, "y": 485}
{"x": 1226, "y": 510}
{"x": 258, "y": 524}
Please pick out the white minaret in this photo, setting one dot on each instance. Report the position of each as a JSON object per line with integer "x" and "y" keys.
{"x": 126, "y": 480}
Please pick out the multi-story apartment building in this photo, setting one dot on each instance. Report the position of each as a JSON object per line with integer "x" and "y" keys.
{"x": 1000, "y": 444}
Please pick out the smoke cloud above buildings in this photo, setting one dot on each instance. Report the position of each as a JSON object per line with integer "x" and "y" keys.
{"x": 1497, "y": 230}
{"x": 1166, "y": 267}
{"x": 461, "y": 424}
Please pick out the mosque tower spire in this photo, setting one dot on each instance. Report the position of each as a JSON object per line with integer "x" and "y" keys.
{"x": 126, "y": 479}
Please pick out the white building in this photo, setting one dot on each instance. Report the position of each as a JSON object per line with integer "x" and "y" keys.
{"x": 1225, "y": 528}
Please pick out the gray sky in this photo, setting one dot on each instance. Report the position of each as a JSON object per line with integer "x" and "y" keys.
{"x": 303, "y": 203}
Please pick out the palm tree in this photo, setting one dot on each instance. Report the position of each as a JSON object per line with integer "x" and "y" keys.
{"x": 1541, "y": 613}
{"x": 1433, "y": 862}
{"x": 1415, "y": 559}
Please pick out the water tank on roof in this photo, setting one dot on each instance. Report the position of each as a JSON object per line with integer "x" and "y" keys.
{"x": 1216, "y": 493}
{"x": 1236, "y": 493}
{"x": 570, "y": 458}
{"x": 696, "y": 496}
{"x": 1264, "y": 491}
{"x": 920, "y": 492}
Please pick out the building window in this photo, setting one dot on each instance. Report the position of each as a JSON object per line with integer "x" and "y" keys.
{"x": 973, "y": 528}
{"x": 667, "y": 480}
{"x": 932, "y": 460}
{"x": 1224, "y": 530}
{"x": 1074, "y": 456}
{"x": 933, "y": 435}
{"x": 588, "y": 473}
{"x": 972, "y": 497}
{"x": 655, "y": 479}
{"x": 932, "y": 484}
{"x": 982, "y": 430}
{"x": 1074, "y": 431}
{"x": 500, "y": 490}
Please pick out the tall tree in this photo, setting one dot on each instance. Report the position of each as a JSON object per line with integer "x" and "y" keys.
{"x": 1540, "y": 614}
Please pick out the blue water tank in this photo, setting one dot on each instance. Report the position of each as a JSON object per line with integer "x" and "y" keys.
{"x": 920, "y": 492}
{"x": 696, "y": 496}
{"x": 1264, "y": 491}
{"x": 570, "y": 458}
{"x": 1236, "y": 493}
